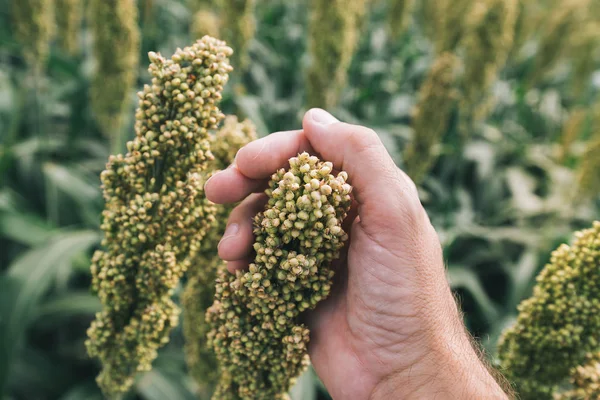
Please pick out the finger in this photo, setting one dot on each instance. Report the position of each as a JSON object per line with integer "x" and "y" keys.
{"x": 236, "y": 243}
{"x": 230, "y": 186}
{"x": 253, "y": 165}
{"x": 261, "y": 158}
{"x": 238, "y": 265}
{"x": 386, "y": 197}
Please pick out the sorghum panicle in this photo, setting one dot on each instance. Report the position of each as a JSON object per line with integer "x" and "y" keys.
{"x": 69, "y": 14}
{"x": 448, "y": 21}
{"x": 34, "y": 26}
{"x": 238, "y": 26}
{"x": 198, "y": 295}
{"x": 399, "y": 12}
{"x": 589, "y": 167}
{"x": 585, "y": 381}
{"x": 260, "y": 345}
{"x": 333, "y": 38}
{"x": 563, "y": 21}
{"x": 155, "y": 215}
{"x": 114, "y": 25}
{"x": 206, "y": 22}
{"x": 437, "y": 101}
{"x": 489, "y": 35}
{"x": 560, "y": 323}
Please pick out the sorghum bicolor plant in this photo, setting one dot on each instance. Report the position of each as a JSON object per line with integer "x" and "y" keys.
{"x": 589, "y": 167}
{"x": 448, "y": 22}
{"x": 238, "y": 26}
{"x": 571, "y": 131}
{"x": 155, "y": 215}
{"x": 399, "y": 12}
{"x": 333, "y": 38}
{"x": 437, "y": 100}
{"x": 206, "y": 22}
{"x": 114, "y": 25}
{"x": 489, "y": 35}
{"x": 34, "y": 25}
{"x": 585, "y": 381}
{"x": 260, "y": 345}
{"x": 200, "y": 288}
{"x": 583, "y": 51}
{"x": 560, "y": 324}
{"x": 563, "y": 21}
{"x": 68, "y": 20}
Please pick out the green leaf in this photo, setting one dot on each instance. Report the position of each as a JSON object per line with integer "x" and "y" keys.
{"x": 467, "y": 279}
{"x": 26, "y": 282}
{"x": 36, "y": 374}
{"x": 155, "y": 385}
{"x": 305, "y": 387}
{"x": 68, "y": 305}
{"x": 25, "y": 228}
{"x": 68, "y": 180}
{"x": 83, "y": 391}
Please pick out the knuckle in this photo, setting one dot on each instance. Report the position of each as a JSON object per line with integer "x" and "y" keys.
{"x": 361, "y": 138}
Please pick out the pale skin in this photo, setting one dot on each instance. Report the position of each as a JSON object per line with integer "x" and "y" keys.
{"x": 391, "y": 328}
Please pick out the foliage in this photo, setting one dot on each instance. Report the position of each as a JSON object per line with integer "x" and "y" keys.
{"x": 501, "y": 199}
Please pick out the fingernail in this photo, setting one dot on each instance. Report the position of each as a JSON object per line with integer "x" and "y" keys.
{"x": 230, "y": 231}
{"x": 322, "y": 117}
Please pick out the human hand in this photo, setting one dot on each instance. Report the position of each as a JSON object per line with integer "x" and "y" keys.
{"x": 390, "y": 328}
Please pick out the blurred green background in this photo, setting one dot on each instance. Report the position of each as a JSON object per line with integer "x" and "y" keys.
{"x": 503, "y": 191}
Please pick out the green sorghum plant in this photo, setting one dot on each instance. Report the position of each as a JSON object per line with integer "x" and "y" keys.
{"x": 69, "y": 14}
{"x": 34, "y": 26}
{"x": 448, "y": 22}
{"x": 589, "y": 167}
{"x": 583, "y": 53}
{"x": 399, "y": 12}
{"x": 155, "y": 215}
{"x": 238, "y": 26}
{"x": 571, "y": 131}
{"x": 556, "y": 34}
{"x": 489, "y": 34}
{"x": 436, "y": 102}
{"x": 199, "y": 292}
{"x": 206, "y": 22}
{"x": 585, "y": 381}
{"x": 260, "y": 345}
{"x": 333, "y": 38}
{"x": 114, "y": 25}
{"x": 560, "y": 323}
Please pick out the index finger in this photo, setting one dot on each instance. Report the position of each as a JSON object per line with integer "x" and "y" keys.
{"x": 254, "y": 164}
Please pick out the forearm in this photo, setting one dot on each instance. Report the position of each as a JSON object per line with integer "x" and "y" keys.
{"x": 453, "y": 373}
{"x": 451, "y": 369}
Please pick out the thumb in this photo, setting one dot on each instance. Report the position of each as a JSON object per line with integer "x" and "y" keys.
{"x": 386, "y": 196}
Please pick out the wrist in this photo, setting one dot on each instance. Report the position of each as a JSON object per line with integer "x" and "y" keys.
{"x": 450, "y": 367}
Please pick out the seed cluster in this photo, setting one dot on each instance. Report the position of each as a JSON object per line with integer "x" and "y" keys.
{"x": 260, "y": 345}
{"x": 585, "y": 381}
{"x": 560, "y": 323}
{"x": 155, "y": 215}
{"x": 199, "y": 292}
